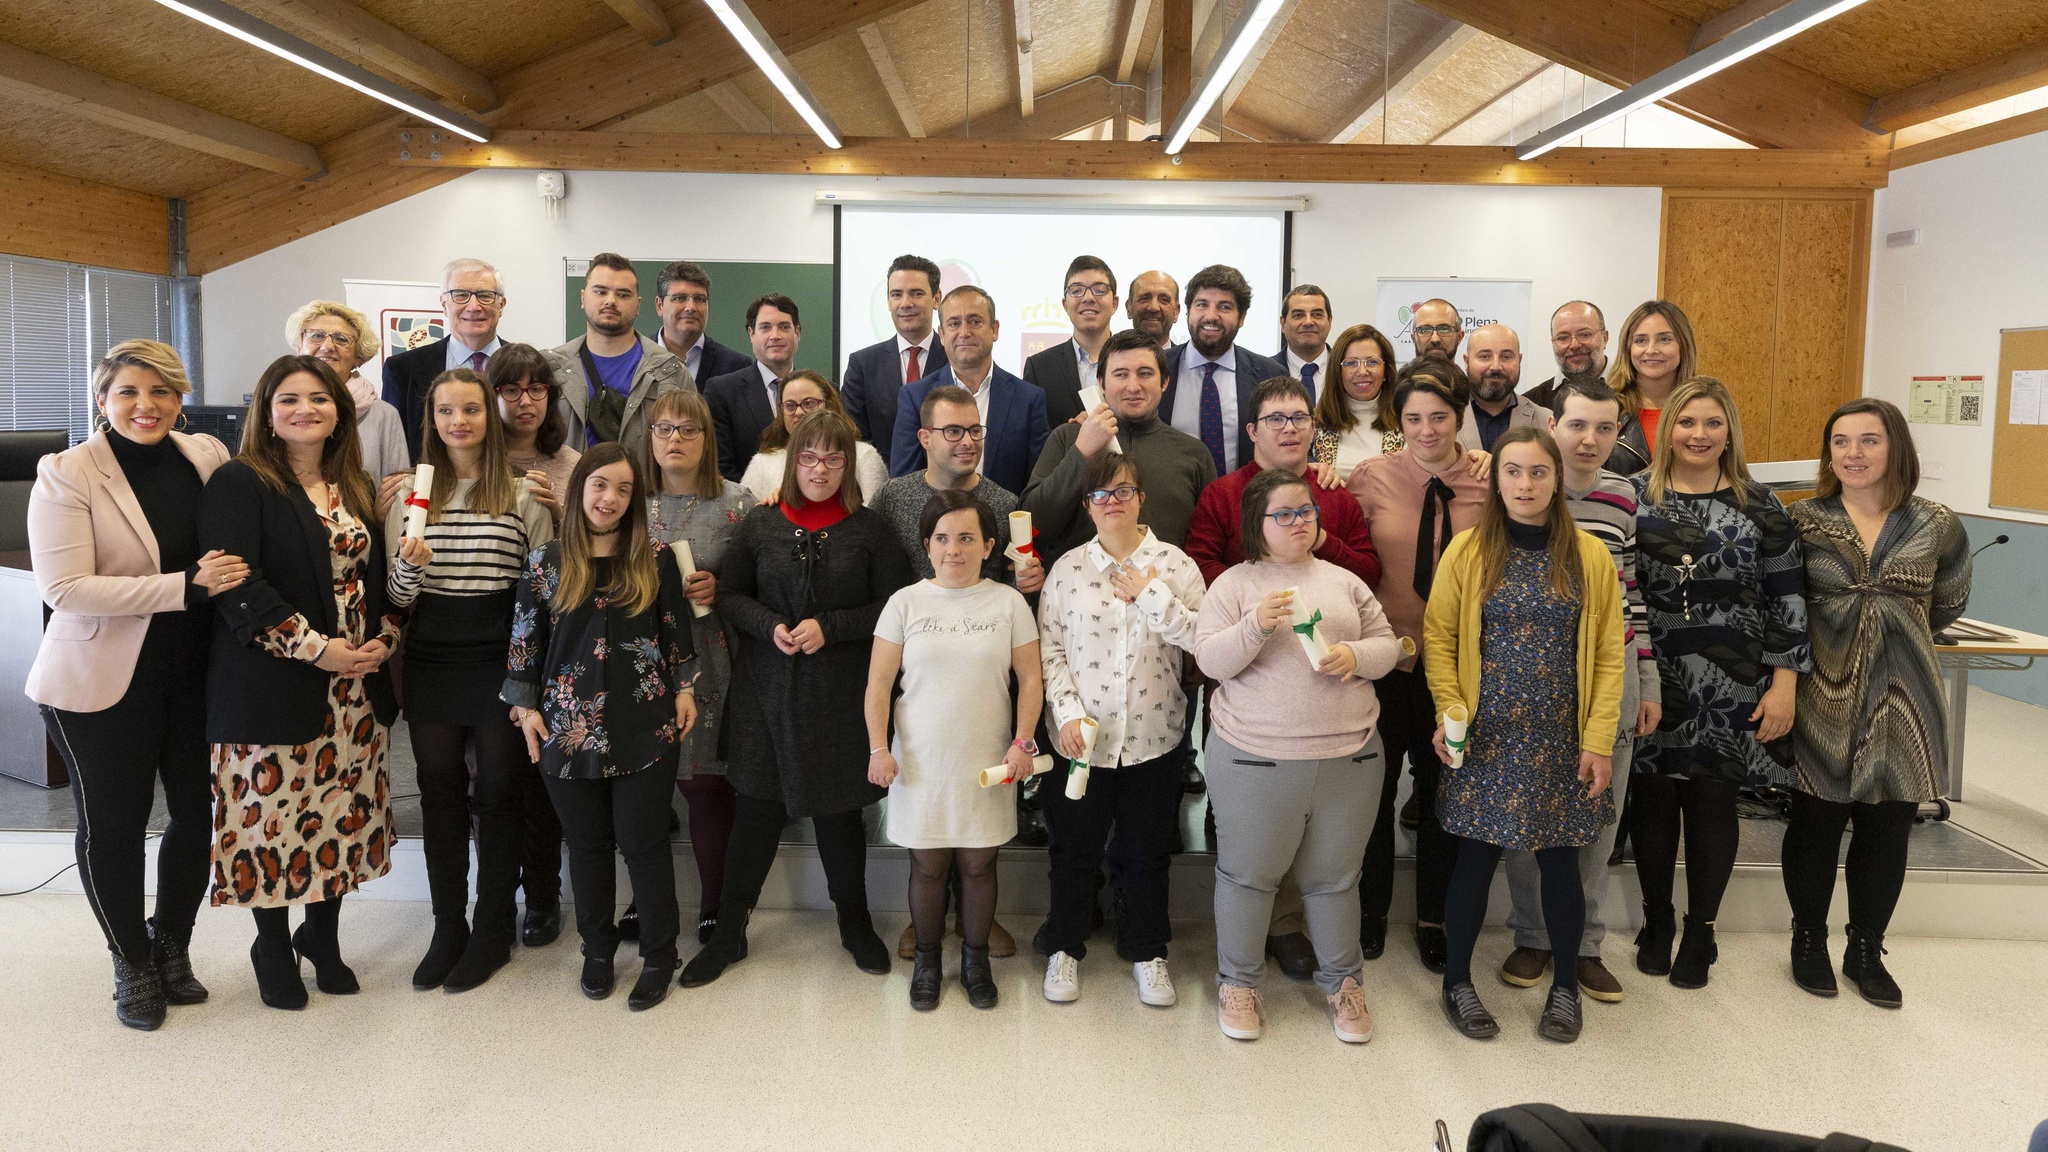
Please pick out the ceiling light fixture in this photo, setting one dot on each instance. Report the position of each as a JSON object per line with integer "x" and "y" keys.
{"x": 1771, "y": 30}
{"x": 284, "y": 45}
{"x": 1238, "y": 43}
{"x": 739, "y": 20}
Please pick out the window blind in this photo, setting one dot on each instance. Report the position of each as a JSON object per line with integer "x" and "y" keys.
{"x": 56, "y": 321}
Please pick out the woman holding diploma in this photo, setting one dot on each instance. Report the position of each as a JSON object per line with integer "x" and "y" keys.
{"x": 958, "y": 639}
{"x": 455, "y": 563}
{"x": 1115, "y": 620}
{"x": 1293, "y": 761}
{"x": 802, "y": 588}
{"x": 1523, "y": 636}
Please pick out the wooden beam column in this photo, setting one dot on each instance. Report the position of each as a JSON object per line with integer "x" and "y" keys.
{"x": 1177, "y": 59}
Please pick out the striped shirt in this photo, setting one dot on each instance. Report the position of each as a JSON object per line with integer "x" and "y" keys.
{"x": 474, "y": 554}
{"x": 1608, "y": 513}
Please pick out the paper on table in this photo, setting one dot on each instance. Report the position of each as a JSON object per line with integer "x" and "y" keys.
{"x": 1456, "y": 719}
{"x": 2027, "y": 386}
{"x": 417, "y": 503}
{"x": 1000, "y": 774}
{"x": 1091, "y": 399}
{"x": 687, "y": 565}
{"x": 1306, "y": 627}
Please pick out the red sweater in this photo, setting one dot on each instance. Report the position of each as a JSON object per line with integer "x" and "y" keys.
{"x": 1214, "y": 538}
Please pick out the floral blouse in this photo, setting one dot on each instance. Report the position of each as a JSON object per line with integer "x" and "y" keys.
{"x": 603, "y": 681}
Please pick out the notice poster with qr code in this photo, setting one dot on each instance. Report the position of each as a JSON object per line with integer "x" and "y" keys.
{"x": 1966, "y": 400}
{"x": 1946, "y": 400}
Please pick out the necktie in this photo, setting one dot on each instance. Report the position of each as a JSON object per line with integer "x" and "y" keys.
{"x": 1308, "y": 380}
{"x": 1211, "y": 422}
{"x": 476, "y": 362}
{"x": 1433, "y": 533}
{"x": 910, "y": 374}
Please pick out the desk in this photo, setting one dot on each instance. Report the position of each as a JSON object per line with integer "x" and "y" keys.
{"x": 25, "y": 751}
{"x": 1959, "y": 660}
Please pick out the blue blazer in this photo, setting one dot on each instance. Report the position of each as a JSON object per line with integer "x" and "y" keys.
{"x": 1016, "y": 427}
{"x": 1251, "y": 368}
{"x": 718, "y": 360}
{"x": 872, "y": 385}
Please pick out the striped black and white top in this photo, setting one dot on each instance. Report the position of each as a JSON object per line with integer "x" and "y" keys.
{"x": 474, "y": 554}
{"x": 1608, "y": 513}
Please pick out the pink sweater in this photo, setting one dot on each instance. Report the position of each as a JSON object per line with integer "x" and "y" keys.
{"x": 1270, "y": 701}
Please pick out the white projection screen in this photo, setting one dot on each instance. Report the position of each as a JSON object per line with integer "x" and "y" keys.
{"x": 1020, "y": 257}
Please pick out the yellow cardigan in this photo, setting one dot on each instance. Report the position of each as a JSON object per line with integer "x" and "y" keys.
{"x": 1450, "y": 638}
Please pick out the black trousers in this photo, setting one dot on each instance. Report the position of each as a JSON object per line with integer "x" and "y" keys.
{"x": 628, "y": 815}
{"x": 1874, "y": 872}
{"x": 1134, "y": 808}
{"x": 1407, "y": 727}
{"x": 156, "y": 730}
{"x": 756, "y": 835}
{"x": 1564, "y": 908}
{"x": 504, "y": 777}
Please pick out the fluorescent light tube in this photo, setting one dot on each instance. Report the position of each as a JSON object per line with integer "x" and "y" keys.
{"x": 739, "y": 20}
{"x": 1238, "y": 43}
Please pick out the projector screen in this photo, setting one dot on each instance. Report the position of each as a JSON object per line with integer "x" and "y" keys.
{"x": 1020, "y": 257}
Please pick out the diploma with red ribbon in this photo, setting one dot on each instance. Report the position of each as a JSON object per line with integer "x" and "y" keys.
{"x": 418, "y": 501}
{"x": 1021, "y": 529}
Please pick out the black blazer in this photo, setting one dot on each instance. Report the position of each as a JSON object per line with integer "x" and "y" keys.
{"x": 718, "y": 360}
{"x": 739, "y": 414}
{"x": 1250, "y": 367}
{"x": 406, "y": 377}
{"x": 1054, "y": 371}
{"x": 872, "y": 386}
{"x": 253, "y": 697}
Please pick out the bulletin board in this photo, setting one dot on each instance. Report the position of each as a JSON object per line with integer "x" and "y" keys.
{"x": 2019, "y": 435}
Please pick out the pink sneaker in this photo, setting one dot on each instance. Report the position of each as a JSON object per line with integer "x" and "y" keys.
{"x": 1239, "y": 1012}
{"x": 1348, "y": 1015}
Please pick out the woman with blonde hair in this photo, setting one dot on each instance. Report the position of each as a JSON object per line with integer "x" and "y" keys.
{"x": 1722, "y": 577}
{"x": 345, "y": 340}
{"x": 805, "y": 392}
{"x": 1657, "y": 354}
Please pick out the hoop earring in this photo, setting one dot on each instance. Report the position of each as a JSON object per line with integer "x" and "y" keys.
{"x": 183, "y": 422}
{"x": 101, "y": 424}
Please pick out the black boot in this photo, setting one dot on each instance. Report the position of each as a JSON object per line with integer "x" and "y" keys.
{"x": 857, "y": 935}
{"x": 138, "y": 995}
{"x": 1372, "y": 935}
{"x": 1653, "y": 943}
{"x": 598, "y": 977}
{"x": 319, "y": 940}
{"x": 1863, "y": 964}
{"x": 1811, "y": 968}
{"x": 652, "y": 986}
{"x": 728, "y": 947}
{"x": 927, "y": 978}
{"x": 277, "y": 974}
{"x": 169, "y": 953}
{"x": 489, "y": 949}
{"x": 451, "y": 936}
{"x": 976, "y": 977}
{"x": 1696, "y": 953}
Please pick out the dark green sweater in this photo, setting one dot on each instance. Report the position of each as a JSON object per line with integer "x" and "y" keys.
{"x": 1173, "y": 466}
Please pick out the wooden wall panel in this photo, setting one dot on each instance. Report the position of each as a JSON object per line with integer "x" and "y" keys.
{"x": 57, "y": 217}
{"x": 1721, "y": 267}
{"x": 1820, "y": 322}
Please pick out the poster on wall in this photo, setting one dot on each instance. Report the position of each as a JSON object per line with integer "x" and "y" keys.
{"x": 1946, "y": 400}
{"x": 1478, "y": 301}
{"x": 406, "y": 313}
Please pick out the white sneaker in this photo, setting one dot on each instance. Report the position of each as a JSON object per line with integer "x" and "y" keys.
{"x": 1155, "y": 984}
{"x": 1062, "y": 979}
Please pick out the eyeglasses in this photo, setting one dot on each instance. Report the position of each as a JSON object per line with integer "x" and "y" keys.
{"x": 487, "y": 298}
{"x": 1282, "y": 421}
{"x": 1099, "y": 291}
{"x": 1359, "y": 363}
{"x": 530, "y": 391}
{"x": 1437, "y": 329}
{"x": 953, "y": 432}
{"x": 668, "y": 431}
{"x": 831, "y": 462}
{"x": 806, "y": 407}
{"x": 340, "y": 341}
{"x": 1289, "y": 517}
{"x": 1122, "y": 494}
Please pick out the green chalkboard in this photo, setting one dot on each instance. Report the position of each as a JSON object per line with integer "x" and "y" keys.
{"x": 734, "y": 285}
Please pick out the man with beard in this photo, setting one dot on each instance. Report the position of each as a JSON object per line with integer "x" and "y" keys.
{"x": 609, "y": 376}
{"x": 1578, "y": 341}
{"x": 1154, "y": 306}
{"x": 1493, "y": 365}
{"x": 1089, "y": 298}
{"x": 1209, "y": 380}
{"x": 682, "y": 297}
{"x": 877, "y": 374}
{"x": 1012, "y": 411}
{"x": 1305, "y": 326}
{"x": 1436, "y": 329}
{"x": 745, "y": 402}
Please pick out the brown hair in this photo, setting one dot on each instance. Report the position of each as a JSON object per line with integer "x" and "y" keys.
{"x": 1567, "y": 570}
{"x": 1332, "y": 411}
{"x": 495, "y": 492}
{"x": 159, "y": 358}
{"x": 341, "y": 459}
{"x": 1901, "y": 462}
{"x": 681, "y": 405}
{"x": 1734, "y": 464}
{"x": 1251, "y": 527}
{"x": 943, "y": 394}
{"x": 1103, "y": 471}
{"x": 775, "y": 437}
{"x": 1621, "y": 373}
{"x": 1436, "y": 376}
{"x": 827, "y": 430}
{"x": 512, "y": 363}
{"x": 635, "y": 578}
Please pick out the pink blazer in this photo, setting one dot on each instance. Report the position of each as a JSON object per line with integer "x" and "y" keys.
{"x": 96, "y": 563}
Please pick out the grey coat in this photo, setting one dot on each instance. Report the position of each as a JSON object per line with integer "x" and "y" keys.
{"x": 660, "y": 371}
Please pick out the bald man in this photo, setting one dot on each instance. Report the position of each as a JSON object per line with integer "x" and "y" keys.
{"x": 1578, "y": 342}
{"x": 1493, "y": 364}
{"x": 1154, "y": 306}
{"x": 1436, "y": 329}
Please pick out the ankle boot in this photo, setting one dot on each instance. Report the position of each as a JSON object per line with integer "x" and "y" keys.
{"x": 489, "y": 949}
{"x": 976, "y": 977}
{"x": 728, "y": 947}
{"x": 927, "y": 978}
{"x": 652, "y": 986}
{"x": 1696, "y": 953}
{"x": 1653, "y": 943}
{"x": 138, "y": 995}
{"x": 857, "y": 935}
{"x": 277, "y": 974}
{"x": 169, "y": 953}
{"x": 1863, "y": 964}
{"x": 317, "y": 941}
{"x": 1811, "y": 968}
{"x": 451, "y": 937}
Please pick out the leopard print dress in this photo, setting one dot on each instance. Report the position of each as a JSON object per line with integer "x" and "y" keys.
{"x": 296, "y": 824}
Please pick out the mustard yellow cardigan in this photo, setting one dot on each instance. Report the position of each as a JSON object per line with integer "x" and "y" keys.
{"x": 1450, "y": 637}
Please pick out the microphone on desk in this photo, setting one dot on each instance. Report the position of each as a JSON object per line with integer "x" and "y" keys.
{"x": 2001, "y": 538}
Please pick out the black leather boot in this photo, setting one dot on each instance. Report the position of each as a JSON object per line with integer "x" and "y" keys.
{"x": 138, "y": 995}
{"x": 1696, "y": 954}
{"x": 976, "y": 977}
{"x": 451, "y": 936}
{"x": 319, "y": 940}
{"x": 1863, "y": 964}
{"x": 652, "y": 986}
{"x": 169, "y": 953}
{"x": 489, "y": 949}
{"x": 1653, "y": 943}
{"x": 277, "y": 974}
{"x": 728, "y": 947}
{"x": 1811, "y": 968}
{"x": 857, "y": 935}
{"x": 927, "y": 978}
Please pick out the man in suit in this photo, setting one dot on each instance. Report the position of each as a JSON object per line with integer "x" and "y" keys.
{"x": 1063, "y": 370}
{"x": 1578, "y": 341}
{"x": 473, "y": 300}
{"x": 1493, "y": 364}
{"x": 1305, "y": 328}
{"x": 607, "y": 378}
{"x": 1012, "y": 412}
{"x": 682, "y": 298}
{"x": 1154, "y": 306}
{"x": 877, "y": 374}
{"x": 1215, "y": 374}
{"x": 745, "y": 402}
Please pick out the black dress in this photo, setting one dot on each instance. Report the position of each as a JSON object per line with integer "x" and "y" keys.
{"x": 795, "y": 724}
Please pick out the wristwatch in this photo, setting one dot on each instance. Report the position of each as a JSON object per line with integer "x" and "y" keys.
{"x": 1030, "y": 747}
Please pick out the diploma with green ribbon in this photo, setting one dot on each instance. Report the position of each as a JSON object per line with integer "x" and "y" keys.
{"x": 1307, "y": 626}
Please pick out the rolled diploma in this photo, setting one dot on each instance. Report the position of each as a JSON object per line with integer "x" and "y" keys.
{"x": 1311, "y": 640}
{"x": 416, "y": 504}
{"x": 1091, "y": 399}
{"x": 687, "y": 565}
{"x": 1077, "y": 775}
{"x": 1000, "y": 774}
{"x": 1020, "y": 535}
{"x": 1456, "y": 719}
{"x": 1407, "y": 646}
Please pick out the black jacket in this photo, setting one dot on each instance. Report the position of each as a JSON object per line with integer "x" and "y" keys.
{"x": 1251, "y": 368}
{"x": 739, "y": 414}
{"x": 406, "y": 377}
{"x": 1054, "y": 371}
{"x": 718, "y": 360}
{"x": 253, "y": 697}
{"x": 872, "y": 385}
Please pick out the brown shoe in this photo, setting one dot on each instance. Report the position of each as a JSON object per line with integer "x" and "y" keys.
{"x": 1000, "y": 942}
{"x": 906, "y": 944}
{"x": 1596, "y": 981}
{"x": 1524, "y": 967}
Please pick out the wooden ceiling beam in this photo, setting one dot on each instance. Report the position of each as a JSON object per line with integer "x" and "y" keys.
{"x": 1734, "y": 20}
{"x": 1419, "y": 64}
{"x": 342, "y": 26}
{"x": 1969, "y": 139}
{"x": 892, "y": 80}
{"x": 1019, "y": 13}
{"x": 64, "y": 218}
{"x": 734, "y": 103}
{"x": 1133, "y": 38}
{"x": 1243, "y": 79}
{"x": 1763, "y": 100}
{"x": 52, "y": 83}
{"x": 646, "y": 18}
{"x": 1069, "y": 108}
{"x": 1177, "y": 58}
{"x": 1963, "y": 89}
